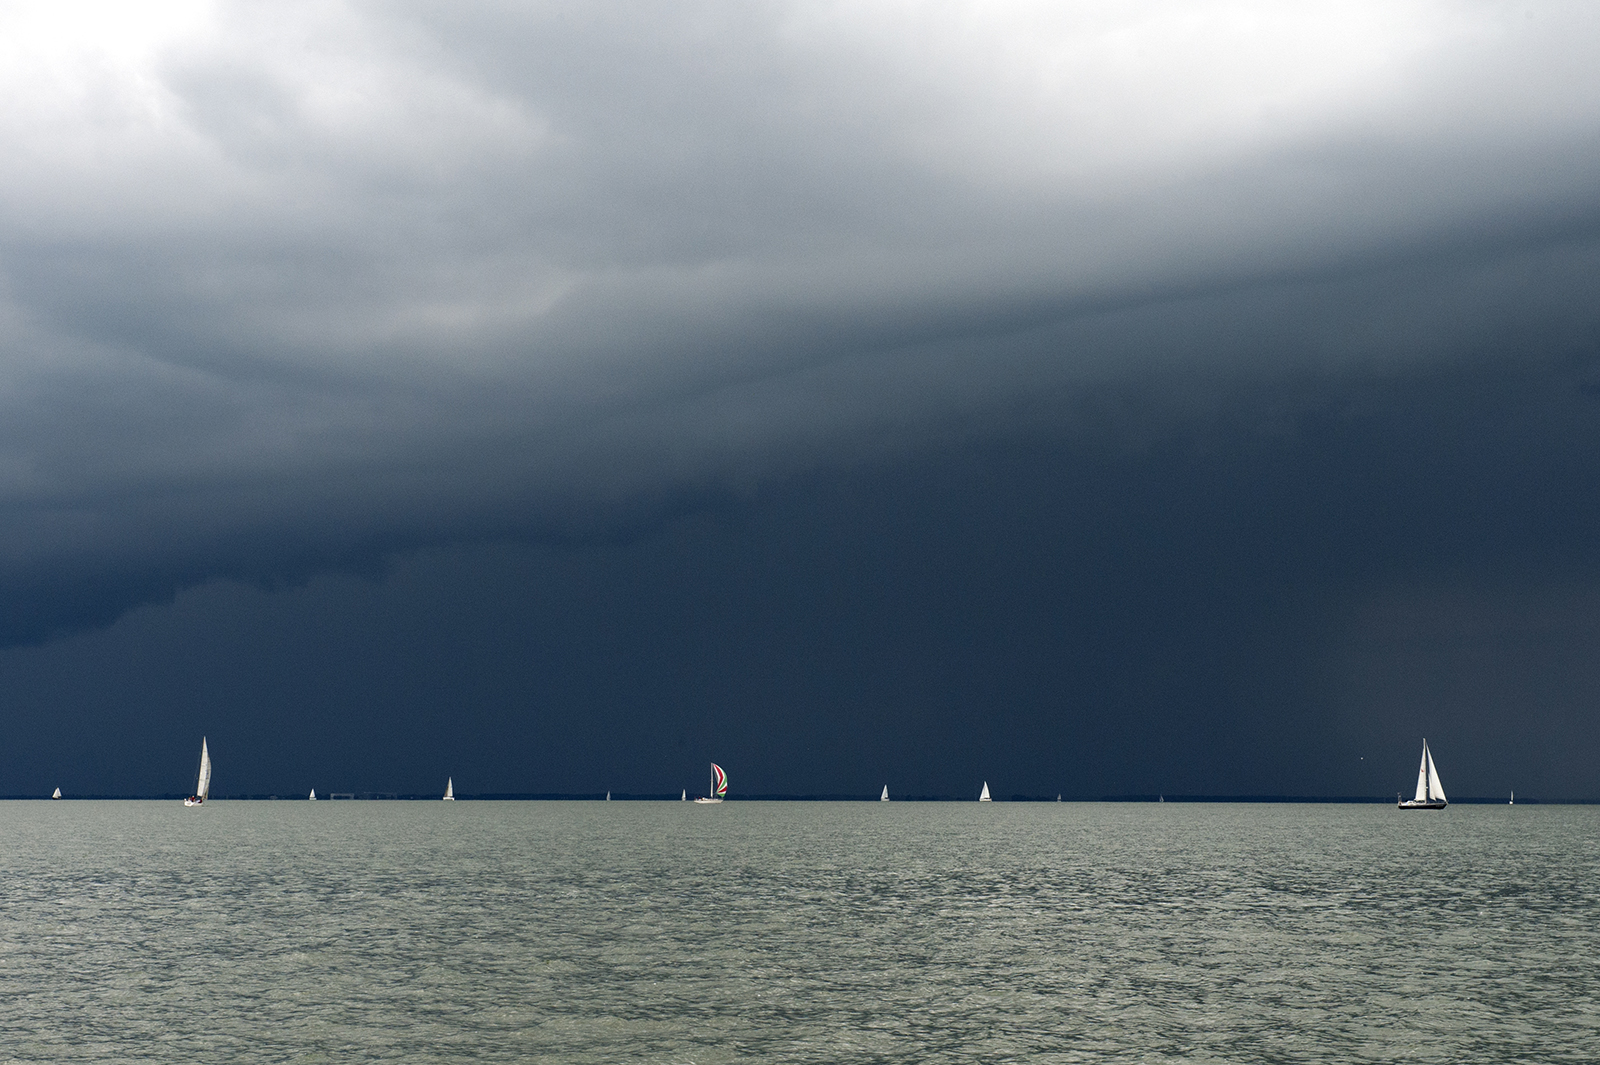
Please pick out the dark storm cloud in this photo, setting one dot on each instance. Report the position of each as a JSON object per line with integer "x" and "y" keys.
{"x": 297, "y": 288}
{"x": 1272, "y": 588}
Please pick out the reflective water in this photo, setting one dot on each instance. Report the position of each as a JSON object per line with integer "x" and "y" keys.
{"x": 797, "y": 932}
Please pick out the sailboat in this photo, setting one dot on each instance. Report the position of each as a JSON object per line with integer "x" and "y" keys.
{"x": 1430, "y": 794}
{"x": 608, "y": 796}
{"x": 719, "y": 786}
{"x": 983, "y": 796}
{"x": 685, "y": 796}
{"x": 449, "y": 789}
{"x": 202, "y": 787}
{"x": 56, "y": 794}
{"x": 313, "y": 794}
{"x": 885, "y": 796}
{"x": 1513, "y": 801}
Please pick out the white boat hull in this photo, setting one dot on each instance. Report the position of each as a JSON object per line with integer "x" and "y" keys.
{"x": 1413, "y": 804}
{"x": 707, "y": 802}
{"x": 192, "y": 801}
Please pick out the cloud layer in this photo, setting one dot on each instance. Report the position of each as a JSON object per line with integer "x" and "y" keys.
{"x": 285, "y": 287}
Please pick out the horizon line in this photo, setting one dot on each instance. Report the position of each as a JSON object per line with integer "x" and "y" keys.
{"x": 600, "y": 796}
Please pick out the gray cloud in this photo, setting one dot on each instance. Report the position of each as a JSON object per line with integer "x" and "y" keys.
{"x": 286, "y": 288}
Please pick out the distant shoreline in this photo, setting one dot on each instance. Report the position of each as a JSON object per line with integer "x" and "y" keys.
{"x": 646, "y": 797}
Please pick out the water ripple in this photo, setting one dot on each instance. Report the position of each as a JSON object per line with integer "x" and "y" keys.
{"x": 634, "y": 932}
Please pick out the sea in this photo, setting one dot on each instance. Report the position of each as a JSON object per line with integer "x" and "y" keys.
{"x": 797, "y": 932}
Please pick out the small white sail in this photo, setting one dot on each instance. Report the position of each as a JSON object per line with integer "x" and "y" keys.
{"x": 685, "y": 796}
{"x": 450, "y": 789}
{"x": 608, "y": 796}
{"x": 313, "y": 794}
{"x": 1422, "y": 776}
{"x": 983, "y": 796}
{"x": 202, "y": 788}
{"x": 56, "y": 794}
{"x": 1435, "y": 789}
{"x": 885, "y": 796}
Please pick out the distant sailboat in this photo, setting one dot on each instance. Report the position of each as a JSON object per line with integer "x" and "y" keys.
{"x": 1513, "y": 801}
{"x": 719, "y": 786}
{"x": 983, "y": 796}
{"x": 608, "y": 796}
{"x": 313, "y": 794}
{"x": 56, "y": 794}
{"x": 885, "y": 796}
{"x": 1058, "y": 796}
{"x": 450, "y": 789}
{"x": 1430, "y": 793}
{"x": 685, "y": 796}
{"x": 202, "y": 787}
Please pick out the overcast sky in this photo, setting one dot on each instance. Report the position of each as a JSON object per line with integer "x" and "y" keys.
{"x": 1109, "y": 398}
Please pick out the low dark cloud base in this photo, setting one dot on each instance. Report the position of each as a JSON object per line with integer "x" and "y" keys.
{"x": 1271, "y": 593}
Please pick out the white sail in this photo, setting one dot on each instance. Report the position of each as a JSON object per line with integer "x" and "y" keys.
{"x": 984, "y": 795}
{"x": 1435, "y": 789}
{"x": 202, "y": 788}
{"x": 57, "y": 794}
{"x": 608, "y": 796}
{"x": 885, "y": 796}
{"x": 685, "y": 796}
{"x": 450, "y": 789}
{"x": 313, "y": 794}
{"x": 1430, "y": 793}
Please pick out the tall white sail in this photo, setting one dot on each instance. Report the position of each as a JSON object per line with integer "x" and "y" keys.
{"x": 313, "y": 794}
{"x": 202, "y": 788}
{"x": 984, "y": 795}
{"x": 57, "y": 794}
{"x": 1435, "y": 789}
{"x": 450, "y": 789}
{"x": 885, "y": 796}
{"x": 1430, "y": 793}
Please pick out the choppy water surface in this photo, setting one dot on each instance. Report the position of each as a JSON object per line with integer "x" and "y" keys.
{"x": 797, "y": 932}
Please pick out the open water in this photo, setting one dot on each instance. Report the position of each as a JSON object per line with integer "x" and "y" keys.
{"x": 797, "y": 932}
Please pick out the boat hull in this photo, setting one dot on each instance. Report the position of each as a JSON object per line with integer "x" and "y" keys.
{"x": 192, "y": 801}
{"x": 1412, "y": 804}
{"x": 707, "y": 802}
